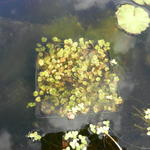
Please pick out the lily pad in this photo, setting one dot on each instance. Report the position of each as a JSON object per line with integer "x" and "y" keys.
{"x": 132, "y": 19}
{"x": 142, "y": 2}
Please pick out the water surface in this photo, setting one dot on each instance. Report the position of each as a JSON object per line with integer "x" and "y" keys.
{"x": 23, "y": 22}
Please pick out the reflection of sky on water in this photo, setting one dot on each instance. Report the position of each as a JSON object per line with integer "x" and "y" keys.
{"x": 17, "y": 68}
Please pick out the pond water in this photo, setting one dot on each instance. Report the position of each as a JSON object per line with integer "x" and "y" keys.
{"x": 23, "y": 22}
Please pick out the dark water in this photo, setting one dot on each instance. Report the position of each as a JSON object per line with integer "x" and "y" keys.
{"x": 23, "y": 22}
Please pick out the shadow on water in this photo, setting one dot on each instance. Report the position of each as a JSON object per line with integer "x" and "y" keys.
{"x": 21, "y": 28}
{"x": 138, "y": 98}
{"x": 54, "y": 141}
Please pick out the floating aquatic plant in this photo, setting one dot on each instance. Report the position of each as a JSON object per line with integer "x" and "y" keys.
{"x": 34, "y": 136}
{"x": 142, "y": 2}
{"x": 31, "y": 104}
{"x": 100, "y": 128}
{"x": 74, "y": 77}
{"x": 132, "y": 19}
{"x": 76, "y": 141}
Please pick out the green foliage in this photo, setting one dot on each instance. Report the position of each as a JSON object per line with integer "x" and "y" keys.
{"x": 142, "y": 2}
{"x": 38, "y": 99}
{"x": 31, "y": 104}
{"x": 76, "y": 140}
{"x": 43, "y": 39}
{"x": 34, "y": 136}
{"x": 100, "y": 128}
{"x": 132, "y": 19}
{"x": 75, "y": 75}
{"x": 35, "y": 93}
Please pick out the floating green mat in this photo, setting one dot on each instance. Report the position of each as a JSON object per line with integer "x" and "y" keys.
{"x": 75, "y": 77}
{"x": 74, "y": 81}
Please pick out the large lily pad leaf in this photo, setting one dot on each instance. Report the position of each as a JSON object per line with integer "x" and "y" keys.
{"x": 142, "y": 2}
{"x": 132, "y": 19}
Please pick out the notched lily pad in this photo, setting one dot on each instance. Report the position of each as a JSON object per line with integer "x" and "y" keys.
{"x": 132, "y": 19}
{"x": 142, "y": 2}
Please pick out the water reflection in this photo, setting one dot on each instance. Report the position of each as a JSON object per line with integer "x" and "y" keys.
{"x": 17, "y": 66}
{"x": 16, "y": 81}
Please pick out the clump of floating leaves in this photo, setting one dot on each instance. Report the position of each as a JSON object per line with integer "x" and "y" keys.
{"x": 133, "y": 19}
{"x": 34, "y": 136}
{"x": 101, "y": 128}
{"x": 75, "y": 77}
{"x": 76, "y": 141}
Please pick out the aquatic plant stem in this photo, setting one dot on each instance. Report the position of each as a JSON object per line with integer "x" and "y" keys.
{"x": 114, "y": 141}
